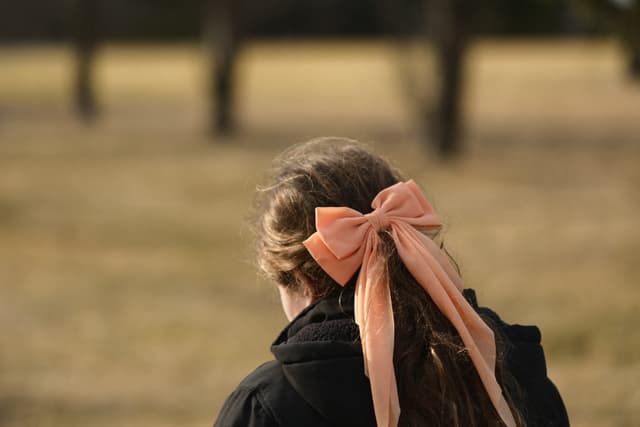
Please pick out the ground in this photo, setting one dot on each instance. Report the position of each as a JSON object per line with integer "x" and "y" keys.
{"x": 128, "y": 295}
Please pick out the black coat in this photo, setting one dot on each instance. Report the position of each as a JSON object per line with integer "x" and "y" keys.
{"x": 317, "y": 379}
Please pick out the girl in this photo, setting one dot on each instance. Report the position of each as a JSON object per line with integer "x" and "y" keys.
{"x": 382, "y": 331}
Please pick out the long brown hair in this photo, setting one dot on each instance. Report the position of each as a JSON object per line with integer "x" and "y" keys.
{"x": 437, "y": 382}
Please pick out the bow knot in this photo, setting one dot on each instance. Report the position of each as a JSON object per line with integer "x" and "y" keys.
{"x": 377, "y": 219}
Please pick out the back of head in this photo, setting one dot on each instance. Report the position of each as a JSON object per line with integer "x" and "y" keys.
{"x": 322, "y": 172}
{"x": 437, "y": 383}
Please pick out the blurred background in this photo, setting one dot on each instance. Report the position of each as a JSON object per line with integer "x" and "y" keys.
{"x": 133, "y": 134}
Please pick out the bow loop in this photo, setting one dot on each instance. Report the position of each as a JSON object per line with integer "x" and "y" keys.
{"x": 405, "y": 202}
{"x": 338, "y": 246}
{"x": 342, "y": 229}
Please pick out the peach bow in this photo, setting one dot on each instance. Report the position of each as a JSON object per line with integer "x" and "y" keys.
{"x": 346, "y": 240}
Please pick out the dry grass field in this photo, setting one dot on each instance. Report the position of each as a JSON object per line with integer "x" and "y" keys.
{"x": 128, "y": 296}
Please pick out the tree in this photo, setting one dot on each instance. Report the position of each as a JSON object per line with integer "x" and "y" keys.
{"x": 623, "y": 17}
{"x": 221, "y": 39}
{"x": 86, "y": 37}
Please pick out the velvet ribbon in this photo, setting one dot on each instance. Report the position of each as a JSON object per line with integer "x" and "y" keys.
{"x": 346, "y": 240}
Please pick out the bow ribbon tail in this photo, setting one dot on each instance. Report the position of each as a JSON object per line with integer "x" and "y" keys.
{"x": 374, "y": 316}
{"x": 417, "y": 253}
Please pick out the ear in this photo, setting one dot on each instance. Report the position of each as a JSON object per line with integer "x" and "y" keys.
{"x": 304, "y": 285}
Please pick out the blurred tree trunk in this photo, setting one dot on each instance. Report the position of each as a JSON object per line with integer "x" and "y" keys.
{"x": 623, "y": 18}
{"x": 632, "y": 36}
{"x": 634, "y": 64}
{"x": 448, "y": 25}
{"x": 86, "y": 37}
{"x": 221, "y": 42}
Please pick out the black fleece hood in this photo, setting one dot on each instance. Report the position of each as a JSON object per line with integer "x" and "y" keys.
{"x": 321, "y": 357}
{"x": 317, "y": 379}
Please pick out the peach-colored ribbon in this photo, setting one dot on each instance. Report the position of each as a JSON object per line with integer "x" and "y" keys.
{"x": 346, "y": 240}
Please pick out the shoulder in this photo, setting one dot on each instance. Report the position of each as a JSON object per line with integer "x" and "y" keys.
{"x": 265, "y": 398}
{"x": 519, "y": 341}
{"x": 522, "y": 347}
{"x": 263, "y": 377}
{"x": 247, "y": 405}
{"x": 525, "y": 361}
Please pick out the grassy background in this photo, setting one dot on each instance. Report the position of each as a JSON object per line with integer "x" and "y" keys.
{"x": 127, "y": 290}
